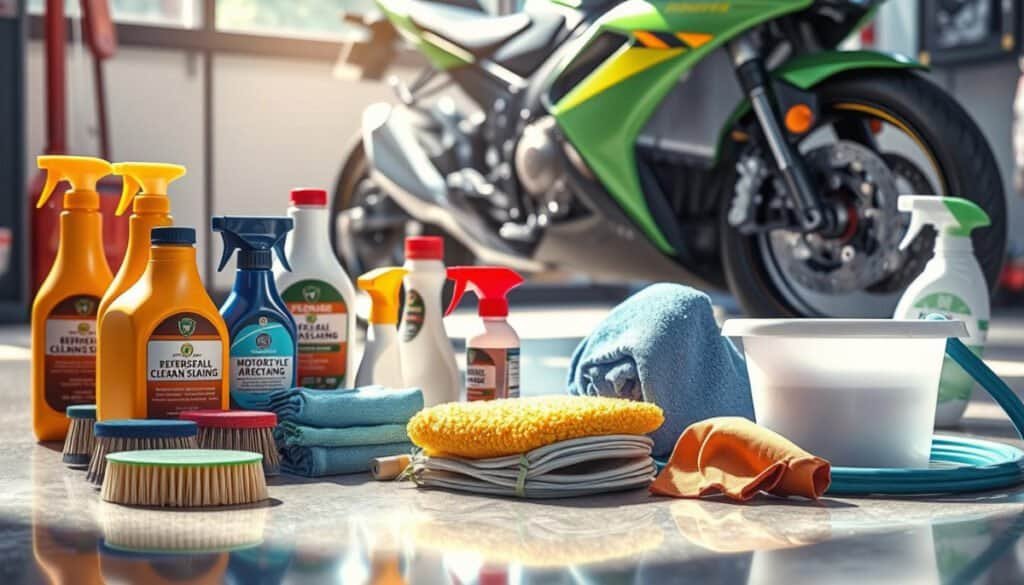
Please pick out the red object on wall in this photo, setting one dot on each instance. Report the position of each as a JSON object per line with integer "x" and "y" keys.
{"x": 102, "y": 41}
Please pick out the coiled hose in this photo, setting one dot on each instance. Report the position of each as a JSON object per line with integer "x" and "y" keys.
{"x": 959, "y": 464}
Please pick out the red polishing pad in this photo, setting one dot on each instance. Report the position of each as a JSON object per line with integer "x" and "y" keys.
{"x": 231, "y": 419}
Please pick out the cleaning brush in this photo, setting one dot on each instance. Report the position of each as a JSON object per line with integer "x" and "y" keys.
{"x": 79, "y": 443}
{"x": 184, "y": 478}
{"x": 239, "y": 430}
{"x": 113, "y": 436}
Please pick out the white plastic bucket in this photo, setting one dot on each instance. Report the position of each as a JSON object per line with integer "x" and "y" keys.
{"x": 858, "y": 392}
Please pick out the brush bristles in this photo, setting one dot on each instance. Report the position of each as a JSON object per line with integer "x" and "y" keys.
{"x": 178, "y": 486}
{"x": 80, "y": 442}
{"x": 108, "y": 445}
{"x": 253, "y": 440}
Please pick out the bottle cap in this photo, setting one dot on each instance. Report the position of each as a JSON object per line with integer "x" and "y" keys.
{"x": 317, "y": 197}
{"x": 172, "y": 236}
{"x": 231, "y": 419}
{"x": 424, "y": 248}
{"x": 491, "y": 284}
{"x": 149, "y": 182}
{"x": 382, "y": 284}
{"x": 83, "y": 172}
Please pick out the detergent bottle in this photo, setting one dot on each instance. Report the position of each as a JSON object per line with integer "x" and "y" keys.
{"x": 319, "y": 295}
{"x": 951, "y": 284}
{"x": 164, "y": 343}
{"x": 261, "y": 329}
{"x": 381, "y": 364}
{"x": 492, "y": 356}
{"x": 145, "y": 188}
{"x": 64, "y": 310}
{"x": 428, "y": 361}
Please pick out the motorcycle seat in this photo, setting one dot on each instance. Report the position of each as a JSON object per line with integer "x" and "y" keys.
{"x": 476, "y": 32}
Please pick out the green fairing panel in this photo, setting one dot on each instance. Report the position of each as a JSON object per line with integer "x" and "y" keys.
{"x": 604, "y": 124}
{"x": 808, "y": 70}
{"x": 397, "y": 13}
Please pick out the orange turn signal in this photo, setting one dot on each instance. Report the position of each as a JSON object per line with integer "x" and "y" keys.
{"x": 799, "y": 119}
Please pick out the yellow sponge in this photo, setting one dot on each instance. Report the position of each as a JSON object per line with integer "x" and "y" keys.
{"x": 494, "y": 428}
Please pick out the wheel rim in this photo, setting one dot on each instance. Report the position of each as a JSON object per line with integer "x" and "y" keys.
{"x": 372, "y": 230}
{"x": 913, "y": 172}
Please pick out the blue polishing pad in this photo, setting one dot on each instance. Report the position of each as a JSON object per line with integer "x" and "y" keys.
{"x": 146, "y": 428}
{"x": 82, "y": 411}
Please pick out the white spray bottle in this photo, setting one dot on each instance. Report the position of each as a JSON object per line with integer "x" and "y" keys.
{"x": 428, "y": 360}
{"x": 382, "y": 364}
{"x": 952, "y": 284}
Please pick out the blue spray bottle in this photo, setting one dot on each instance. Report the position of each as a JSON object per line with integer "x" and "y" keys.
{"x": 262, "y": 331}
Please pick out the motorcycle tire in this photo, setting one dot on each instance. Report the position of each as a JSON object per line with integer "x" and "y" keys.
{"x": 354, "y": 172}
{"x": 956, "y": 144}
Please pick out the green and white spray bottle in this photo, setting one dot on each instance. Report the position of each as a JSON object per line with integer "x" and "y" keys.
{"x": 951, "y": 284}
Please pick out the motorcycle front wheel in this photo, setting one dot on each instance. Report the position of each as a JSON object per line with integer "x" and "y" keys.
{"x": 879, "y": 134}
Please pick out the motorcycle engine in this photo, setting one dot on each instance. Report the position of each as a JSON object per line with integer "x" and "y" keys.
{"x": 541, "y": 159}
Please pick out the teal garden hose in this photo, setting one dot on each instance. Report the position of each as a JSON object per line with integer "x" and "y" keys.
{"x": 959, "y": 464}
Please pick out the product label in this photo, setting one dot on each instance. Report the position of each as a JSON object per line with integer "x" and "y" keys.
{"x": 70, "y": 359}
{"x": 321, "y": 319}
{"x": 956, "y": 384}
{"x": 412, "y": 320}
{"x": 183, "y": 366}
{"x": 492, "y": 373}
{"x": 262, "y": 357}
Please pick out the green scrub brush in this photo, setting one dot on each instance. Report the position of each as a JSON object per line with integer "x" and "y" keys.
{"x": 241, "y": 430}
{"x": 184, "y": 478}
{"x": 79, "y": 443}
{"x": 113, "y": 436}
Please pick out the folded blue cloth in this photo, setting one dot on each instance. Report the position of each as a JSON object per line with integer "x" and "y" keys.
{"x": 289, "y": 434}
{"x": 321, "y": 461}
{"x": 662, "y": 345}
{"x": 358, "y": 407}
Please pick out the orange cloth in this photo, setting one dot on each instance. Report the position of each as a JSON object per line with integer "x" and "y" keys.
{"x": 736, "y": 457}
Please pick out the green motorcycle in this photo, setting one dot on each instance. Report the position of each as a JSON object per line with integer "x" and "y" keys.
{"x": 723, "y": 144}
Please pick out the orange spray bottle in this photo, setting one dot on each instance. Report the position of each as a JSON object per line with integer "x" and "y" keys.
{"x": 145, "y": 189}
{"x": 165, "y": 345}
{"x": 65, "y": 308}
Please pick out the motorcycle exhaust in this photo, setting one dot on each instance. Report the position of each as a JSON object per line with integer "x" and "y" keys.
{"x": 400, "y": 166}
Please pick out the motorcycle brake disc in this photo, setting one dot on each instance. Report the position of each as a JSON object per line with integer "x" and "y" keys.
{"x": 860, "y": 188}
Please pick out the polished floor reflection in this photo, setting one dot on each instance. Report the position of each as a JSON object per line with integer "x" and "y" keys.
{"x": 350, "y": 529}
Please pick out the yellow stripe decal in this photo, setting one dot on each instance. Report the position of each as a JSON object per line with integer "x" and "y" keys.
{"x": 626, "y": 63}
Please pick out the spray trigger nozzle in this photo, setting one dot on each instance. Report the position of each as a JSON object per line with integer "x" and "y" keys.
{"x": 147, "y": 178}
{"x": 491, "y": 285}
{"x": 254, "y": 237}
{"x": 951, "y": 216}
{"x": 83, "y": 172}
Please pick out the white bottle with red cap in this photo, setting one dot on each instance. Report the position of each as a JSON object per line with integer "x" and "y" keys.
{"x": 319, "y": 295}
{"x": 428, "y": 361}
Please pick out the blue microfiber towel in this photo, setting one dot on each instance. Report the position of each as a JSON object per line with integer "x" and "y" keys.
{"x": 321, "y": 461}
{"x": 368, "y": 406}
{"x": 289, "y": 434}
{"x": 662, "y": 345}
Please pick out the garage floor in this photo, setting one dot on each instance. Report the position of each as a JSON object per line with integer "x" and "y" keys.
{"x": 350, "y": 529}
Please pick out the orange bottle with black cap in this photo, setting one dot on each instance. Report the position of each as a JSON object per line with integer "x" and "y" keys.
{"x": 65, "y": 308}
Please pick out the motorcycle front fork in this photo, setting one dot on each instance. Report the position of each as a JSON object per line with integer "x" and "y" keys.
{"x": 756, "y": 84}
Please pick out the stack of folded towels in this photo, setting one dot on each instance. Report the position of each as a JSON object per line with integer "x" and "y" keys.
{"x": 331, "y": 432}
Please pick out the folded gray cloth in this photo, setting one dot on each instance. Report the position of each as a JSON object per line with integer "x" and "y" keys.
{"x": 577, "y": 467}
{"x": 662, "y": 345}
